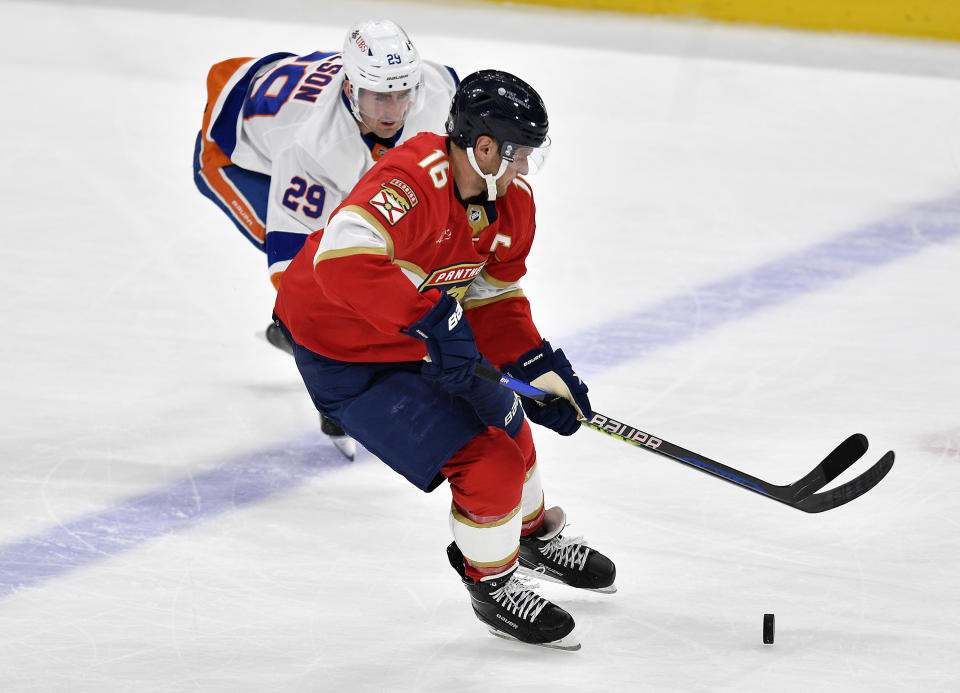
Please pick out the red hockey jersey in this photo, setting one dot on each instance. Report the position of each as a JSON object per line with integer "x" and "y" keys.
{"x": 398, "y": 238}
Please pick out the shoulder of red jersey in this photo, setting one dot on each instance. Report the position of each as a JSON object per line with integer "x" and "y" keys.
{"x": 402, "y": 180}
{"x": 517, "y": 213}
{"x": 519, "y": 198}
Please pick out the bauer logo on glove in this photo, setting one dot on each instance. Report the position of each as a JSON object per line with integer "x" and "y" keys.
{"x": 550, "y": 371}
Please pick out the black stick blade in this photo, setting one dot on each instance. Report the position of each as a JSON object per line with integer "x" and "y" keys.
{"x": 832, "y": 466}
{"x": 843, "y": 494}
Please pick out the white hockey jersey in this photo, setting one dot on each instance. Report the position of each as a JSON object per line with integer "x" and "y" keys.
{"x": 286, "y": 117}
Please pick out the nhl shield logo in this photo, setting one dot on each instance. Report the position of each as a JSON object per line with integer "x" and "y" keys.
{"x": 477, "y": 218}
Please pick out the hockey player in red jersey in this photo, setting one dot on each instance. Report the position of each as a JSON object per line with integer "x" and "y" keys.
{"x": 286, "y": 137}
{"x": 419, "y": 269}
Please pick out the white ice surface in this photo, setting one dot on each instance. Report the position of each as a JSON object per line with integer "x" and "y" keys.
{"x": 171, "y": 519}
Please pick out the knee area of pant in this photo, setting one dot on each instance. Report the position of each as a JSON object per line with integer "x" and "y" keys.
{"x": 501, "y": 458}
{"x": 489, "y": 466}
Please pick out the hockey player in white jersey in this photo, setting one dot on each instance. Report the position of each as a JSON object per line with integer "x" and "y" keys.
{"x": 285, "y": 138}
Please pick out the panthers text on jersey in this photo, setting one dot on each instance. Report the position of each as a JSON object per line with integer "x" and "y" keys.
{"x": 402, "y": 235}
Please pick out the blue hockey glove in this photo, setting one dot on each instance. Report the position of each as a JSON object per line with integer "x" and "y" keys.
{"x": 453, "y": 356}
{"x": 450, "y": 344}
{"x": 550, "y": 371}
{"x": 495, "y": 405}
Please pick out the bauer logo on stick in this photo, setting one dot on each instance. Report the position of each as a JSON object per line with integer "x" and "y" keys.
{"x": 625, "y": 431}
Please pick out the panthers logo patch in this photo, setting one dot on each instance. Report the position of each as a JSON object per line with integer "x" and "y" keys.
{"x": 394, "y": 200}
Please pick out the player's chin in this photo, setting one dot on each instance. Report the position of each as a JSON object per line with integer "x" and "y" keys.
{"x": 387, "y": 129}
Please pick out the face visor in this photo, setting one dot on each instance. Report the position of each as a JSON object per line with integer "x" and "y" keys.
{"x": 384, "y": 106}
{"x": 524, "y": 159}
{"x": 527, "y": 160}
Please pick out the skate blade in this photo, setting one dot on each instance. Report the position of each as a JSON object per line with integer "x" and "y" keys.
{"x": 346, "y": 445}
{"x": 540, "y": 575}
{"x": 568, "y": 642}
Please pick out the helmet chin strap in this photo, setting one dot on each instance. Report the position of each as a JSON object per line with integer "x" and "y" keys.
{"x": 354, "y": 99}
{"x": 490, "y": 178}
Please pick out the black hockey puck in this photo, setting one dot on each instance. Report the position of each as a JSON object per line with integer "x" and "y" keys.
{"x": 768, "y": 629}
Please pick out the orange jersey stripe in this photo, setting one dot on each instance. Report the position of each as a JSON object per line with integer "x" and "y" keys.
{"x": 212, "y": 158}
{"x": 241, "y": 210}
{"x": 217, "y": 78}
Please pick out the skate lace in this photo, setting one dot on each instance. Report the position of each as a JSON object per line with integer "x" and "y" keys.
{"x": 519, "y": 599}
{"x": 570, "y": 551}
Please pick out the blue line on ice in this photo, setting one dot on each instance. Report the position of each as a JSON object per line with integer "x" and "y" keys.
{"x": 136, "y": 520}
{"x": 685, "y": 316}
{"x": 127, "y": 525}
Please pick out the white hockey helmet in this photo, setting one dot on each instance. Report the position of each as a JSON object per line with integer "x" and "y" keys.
{"x": 379, "y": 56}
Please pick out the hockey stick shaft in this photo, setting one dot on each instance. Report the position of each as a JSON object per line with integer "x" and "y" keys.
{"x": 801, "y": 494}
{"x": 634, "y": 436}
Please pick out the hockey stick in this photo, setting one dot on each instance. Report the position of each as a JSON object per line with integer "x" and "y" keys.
{"x": 801, "y": 494}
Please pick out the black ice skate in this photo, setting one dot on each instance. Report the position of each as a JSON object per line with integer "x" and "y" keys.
{"x": 277, "y": 338}
{"x": 553, "y": 557}
{"x": 510, "y": 609}
{"x": 345, "y": 444}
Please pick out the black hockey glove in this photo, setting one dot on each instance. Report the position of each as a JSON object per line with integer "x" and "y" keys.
{"x": 550, "y": 371}
{"x": 453, "y": 356}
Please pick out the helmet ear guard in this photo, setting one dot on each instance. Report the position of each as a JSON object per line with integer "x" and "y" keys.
{"x": 379, "y": 56}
